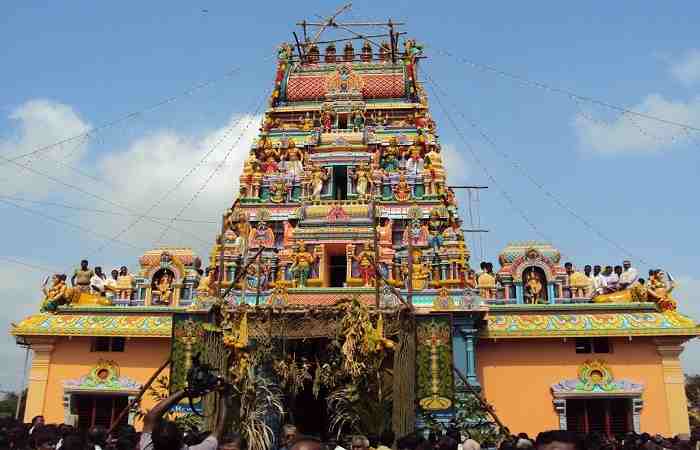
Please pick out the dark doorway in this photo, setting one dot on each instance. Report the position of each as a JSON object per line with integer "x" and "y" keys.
{"x": 342, "y": 121}
{"x": 307, "y": 411}
{"x": 338, "y": 266}
{"x": 99, "y": 409}
{"x": 340, "y": 182}
{"x": 610, "y": 416}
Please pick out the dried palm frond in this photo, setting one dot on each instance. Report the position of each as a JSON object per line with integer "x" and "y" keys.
{"x": 259, "y": 400}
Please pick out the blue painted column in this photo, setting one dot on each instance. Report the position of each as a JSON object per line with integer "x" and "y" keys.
{"x": 464, "y": 339}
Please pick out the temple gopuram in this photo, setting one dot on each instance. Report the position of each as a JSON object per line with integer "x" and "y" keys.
{"x": 341, "y": 285}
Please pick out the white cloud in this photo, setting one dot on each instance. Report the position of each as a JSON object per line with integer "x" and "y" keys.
{"x": 136, "y": 174}
{"x": 41, "y": 123}
{"x": 687, "y": 69}
{"x": 688, "y": 296}
{"x": 455, "y": 164}
{"x": 633, "y": 134}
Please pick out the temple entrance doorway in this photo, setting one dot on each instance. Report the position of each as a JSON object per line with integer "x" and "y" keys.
{"x": 340, "y": 182}
{"x": 306, "y": 410}
{"x": 337, "y": 265}
{"x": 93, "y": 409}
{"x": 610, "y": 416}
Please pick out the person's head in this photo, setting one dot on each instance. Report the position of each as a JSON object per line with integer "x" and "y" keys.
{"x": 596, "y": 270}
{"x": 556, "y": 440}
{"x": 640, "y": 281}
{"x": 359, "y": 442}
{"x": 489, "y": 267}
{"x": 45, "y": 439}
{"x": 306, "y": 443}
{"x": 97, "y": 435}
{"x": 618, "y": 270}
{"x": 447, "y": 443}
{"x": 482, "y": 265}
{"x": 387, "y": 438}
{"x": 587, "y": 269}
{"x": 98, "y": 271}
{"x": 115, "y": 274}
{"x": 73, "y": 442}
{"x": 569, "y": 268}
{"x": 608, "y": 270}
{"x": 626, "y": 264}
{"x": 166, "y": 436}
{"x": 231, "y": 442}
{"x": 38, "y": 421}
{"x": 289, "y": 434}
{"x": 123, "y": 270}
{"x": 84, "y": 264}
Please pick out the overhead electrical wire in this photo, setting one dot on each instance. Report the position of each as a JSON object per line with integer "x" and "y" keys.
{"x": 189, "y": 91}
{"x": 103, "y": 211}
{"x": 566, "y": 92}
{"x": 216, "y": 169}
{"x": 509, "y": 199}
{"x": 178, "y": 183}
{"x": 520, "y": 168}
{"x": 36, "y": 267}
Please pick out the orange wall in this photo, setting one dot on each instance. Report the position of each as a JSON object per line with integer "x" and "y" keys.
{"x": 72, "y": 359}
{"x": 516, "y": 376}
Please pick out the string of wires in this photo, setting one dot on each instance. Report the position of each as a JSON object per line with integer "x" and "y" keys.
{"x": 566, "y": 92}
{"x": 507, "y": 197}
{"x": 211, "y": 175}
{"x": 523, "y": 171}
{"x": 144, "y": 215}
{"x": 111, "y": 123}
{"x": 36, "y": 267}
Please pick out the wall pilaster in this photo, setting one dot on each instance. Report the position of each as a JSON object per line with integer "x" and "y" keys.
{"x": 38, "y": 377}
{"x": 674, "y": 383}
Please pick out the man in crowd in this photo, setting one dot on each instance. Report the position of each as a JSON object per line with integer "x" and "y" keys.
{"x": 360, "y": 442}
{"x": 611, "y": 279}
{"x": 81, "y": 277}
{"x": 97, "y": 281}
{"x": 556, "y": 440}
{"x": 628, "y": 276}
{"x": 600, "y": 283}
{"x": 159, "y": 434}
{"x": 289, "y": 435}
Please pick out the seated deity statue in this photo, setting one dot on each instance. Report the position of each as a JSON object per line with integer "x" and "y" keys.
{"x": 402, "y": 190}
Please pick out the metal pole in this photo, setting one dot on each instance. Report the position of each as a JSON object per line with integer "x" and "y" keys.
{"x": 23, "y": 383}
{"x": 376, "y": 255}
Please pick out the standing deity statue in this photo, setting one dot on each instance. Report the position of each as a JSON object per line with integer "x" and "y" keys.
{"x": 390, "y": 156}
{"x": 327, "y": 118}
{"x": 358, "y": 120}
{"x": 295, "y": 157}
{"x": 435, "y": 229}
{"x": 319, "y": 176}
{"x": 365, "y": 263}
{"x": 363, "y": 180}
{"x": 288, "y": 236}
{"x": 301, "y": 265}
{"x": 414, "y": 162}
{"x": 164, "y": 287}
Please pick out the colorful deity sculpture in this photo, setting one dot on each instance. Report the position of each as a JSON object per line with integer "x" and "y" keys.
{"x": 435, "y": 229}
{"x": 261, "y": 236}
{"x": 301, "y": 265}
{"x": 390, "y": 156}
{"x": 434, "y": 173}
{"x": 362, "y": 176}
{"x": 295, "y": 158}
{"x": 308, "y": 122}
{"x": 204, "y": 287}
{"x": 358, "y": 120}
{"x": 164, "y": 287}
{"x": 659, "y": 290}
{"x": 414, "y": 161}
{"x": 421, "y": 272}
{"x": 385, "y": 240}
{"x": 417, "y": 232}
{"x": 365, "y": 264}
{"x": 279, "y": 191}
{"x": 319, "y": 176}
{"x": 257, "y": 276}
{"x": 534, "y": 287}
{"x": 252, "y": 176}
{"x": 58, "y": 293}
{"x": 402, "y": 190}
{"x": 327, "y": 119}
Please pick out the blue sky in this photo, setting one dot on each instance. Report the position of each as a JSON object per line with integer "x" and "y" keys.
{"x": 69, "y": 67}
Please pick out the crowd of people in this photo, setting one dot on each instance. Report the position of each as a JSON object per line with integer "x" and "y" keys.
{"x": 159, "y": 434}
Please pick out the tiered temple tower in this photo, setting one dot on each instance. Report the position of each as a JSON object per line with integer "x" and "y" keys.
{"x": 343, "y": 195}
